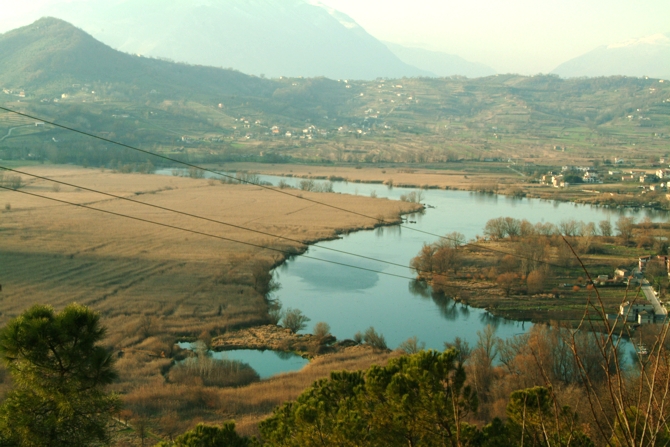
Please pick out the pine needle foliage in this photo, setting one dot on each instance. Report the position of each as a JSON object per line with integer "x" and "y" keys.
{"x": 59, "y": 373}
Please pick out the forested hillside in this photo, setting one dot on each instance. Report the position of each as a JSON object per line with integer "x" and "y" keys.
{"x": 57, "y": 72}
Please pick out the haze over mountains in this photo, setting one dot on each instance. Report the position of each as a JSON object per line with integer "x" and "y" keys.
{"x": 51, "y": 53}
{"x": 270, "y": 37}
{"x": 440, "y": 64}
{"x": 302, "y": 38}
{"x": 648, "y": 56}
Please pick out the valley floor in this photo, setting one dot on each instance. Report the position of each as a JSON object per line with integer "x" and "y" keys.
{"x": 155, "y": 285}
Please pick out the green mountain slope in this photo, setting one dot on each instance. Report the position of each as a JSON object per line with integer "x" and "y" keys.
{"x": 51, "y": 53}
{"x": 274, "y": 37}
{"x": 59, "y": 72}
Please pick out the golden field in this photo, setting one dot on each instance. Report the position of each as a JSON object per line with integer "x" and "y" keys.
{"x": 407, "y": 176}
{"x": 154, "y": 285}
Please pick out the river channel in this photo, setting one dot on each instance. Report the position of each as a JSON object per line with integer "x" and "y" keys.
{"x": 351, "y": 300}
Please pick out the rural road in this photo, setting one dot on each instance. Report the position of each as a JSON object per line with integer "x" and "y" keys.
{"x": 649, "y": 294}
{"x": 14, "y": 128}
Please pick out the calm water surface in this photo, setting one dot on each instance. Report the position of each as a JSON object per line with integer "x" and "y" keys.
{"x": 265, "y": 363}
{"x": 351, "y": 300}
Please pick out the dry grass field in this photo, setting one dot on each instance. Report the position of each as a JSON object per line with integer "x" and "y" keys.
{"x": 411, "y": 177}
{"x": 154, "y": 285}
{"x": 246, "y": 405}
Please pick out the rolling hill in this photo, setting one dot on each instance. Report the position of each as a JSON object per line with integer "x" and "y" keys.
{"x": 59, "y": 72}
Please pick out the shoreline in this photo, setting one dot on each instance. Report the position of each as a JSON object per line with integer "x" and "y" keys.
{"x": 502, "y": 185}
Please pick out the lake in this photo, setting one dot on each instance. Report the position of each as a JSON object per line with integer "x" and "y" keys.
{"x": 352, "y": 300}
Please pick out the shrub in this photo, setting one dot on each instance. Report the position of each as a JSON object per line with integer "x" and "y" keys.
{"x": 307, "y": 185}
{"x": 275, "y": 311}
{"x": 411, "y": 346}
{"x": 203, "y": 435}
{"x": 196, "y": 173}
{"x": 295, "y": 320}
{"x": 374, "y": 339}
{"x": 321, "y": 329}
{"x": 263, "y": 280}
{"x": 506, "y": 282}
{"x": 412, "y": 197}
{"x": 13, "y": 182}
{"x": 212, "y": 372}
{"x": 536, "y": 281}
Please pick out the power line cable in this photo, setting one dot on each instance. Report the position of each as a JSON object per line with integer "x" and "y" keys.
{"x": 279, "y": 191}
{"x": 240, "y": 227}
{"x": 195, "y": 216}
{"x": 202, "y": 233}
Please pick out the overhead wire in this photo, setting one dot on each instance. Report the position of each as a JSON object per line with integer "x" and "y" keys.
{"x": 207, "y": 219}
{"x": 216, "y": 221}
{"x": 279, "y": 191}
{"x": 202, "y": 233}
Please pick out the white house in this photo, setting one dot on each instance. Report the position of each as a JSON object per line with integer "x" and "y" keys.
{"x": 630, "y": 312}
{"x": 591, "y": 177}
{"x": 646, "y": 317}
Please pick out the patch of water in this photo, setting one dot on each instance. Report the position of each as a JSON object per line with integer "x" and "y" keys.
{"x": 266, "y": 363}
{"x": 351, "y": 300}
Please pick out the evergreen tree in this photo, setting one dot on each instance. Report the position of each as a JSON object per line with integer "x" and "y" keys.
{"x": 59, "y": 374}
{"x": 210, "y": 436}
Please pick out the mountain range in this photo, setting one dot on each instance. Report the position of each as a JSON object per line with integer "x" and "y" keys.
{"x": 53, "y": 69}
{"x": 301, "y": 38}
{"x": 648, "y": 56}
{"x": 51, "y": 53}
{"x": 260, "y": 37}
{"x": 438, "y": 63}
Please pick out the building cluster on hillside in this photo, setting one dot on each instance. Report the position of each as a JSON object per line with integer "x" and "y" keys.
{"x": 557, "y": 181}
{"x": 657, "y": 181}
{"x": 19, "y": 93}
{"x": 586, "y": 174}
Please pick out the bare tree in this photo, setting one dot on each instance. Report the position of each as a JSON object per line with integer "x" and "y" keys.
{"x": 605, "y": 228}
{"x": 624, "y": 228}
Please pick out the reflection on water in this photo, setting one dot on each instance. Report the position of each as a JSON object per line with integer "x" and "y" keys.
{"x": 265, "y": 363}
{"x": 419, "y": 288}
{"x": 336, "y": 277}
{"x": 351, "y": 300}
{"x": 482, "y": 198}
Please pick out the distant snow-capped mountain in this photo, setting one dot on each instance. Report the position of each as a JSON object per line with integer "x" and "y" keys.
{"x": 647, "y": 56}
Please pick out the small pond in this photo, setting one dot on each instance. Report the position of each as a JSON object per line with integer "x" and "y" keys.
{"x": 266, "y": 363}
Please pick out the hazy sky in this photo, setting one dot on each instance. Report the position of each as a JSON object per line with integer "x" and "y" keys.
{"x": 520, "y": 36}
